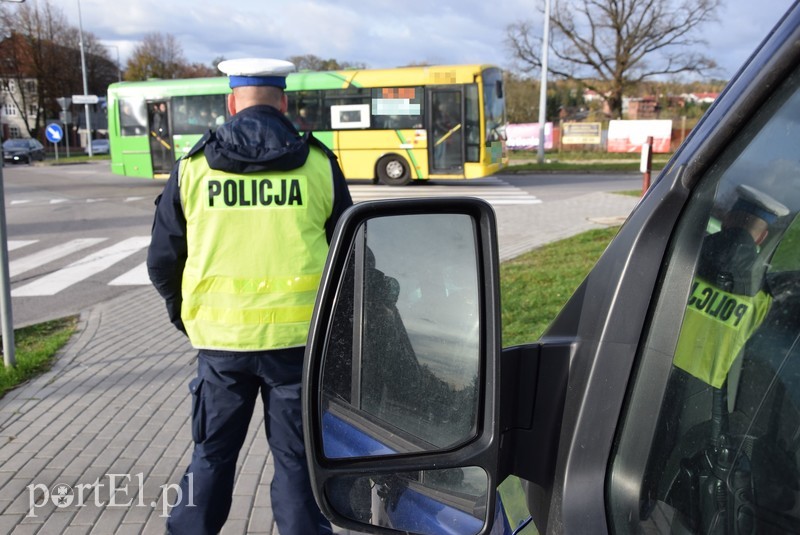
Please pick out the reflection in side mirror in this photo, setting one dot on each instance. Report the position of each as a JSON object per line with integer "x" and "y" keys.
{"x": 428, "y": 501}
{"x": 400, "y": 383}
{"x": 401, "y": 366}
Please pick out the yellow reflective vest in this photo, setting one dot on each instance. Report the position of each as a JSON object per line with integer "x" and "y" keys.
{"x": 256, "y": 249}
{"x": 716, "y": 325}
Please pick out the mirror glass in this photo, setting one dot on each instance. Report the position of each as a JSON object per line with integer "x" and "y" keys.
{"x": 402, "y": 358}
{"x": 453, "y": 500}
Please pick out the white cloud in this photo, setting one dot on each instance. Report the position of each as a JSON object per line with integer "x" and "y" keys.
{"x": 380, "y": 33}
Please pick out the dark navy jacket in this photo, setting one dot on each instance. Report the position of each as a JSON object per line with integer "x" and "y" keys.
{"x": 258, "y": 138}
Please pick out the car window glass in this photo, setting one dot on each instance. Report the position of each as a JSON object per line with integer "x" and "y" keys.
{"x": 715, "y": 447}
{"x": 403, "y": 366}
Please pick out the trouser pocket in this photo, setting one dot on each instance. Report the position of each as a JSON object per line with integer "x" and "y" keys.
{"x": 198, "y": 410}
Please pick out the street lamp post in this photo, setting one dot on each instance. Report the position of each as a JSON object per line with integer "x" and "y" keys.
{"x": 85, "y": 84}
{"x": 543, "y": 84}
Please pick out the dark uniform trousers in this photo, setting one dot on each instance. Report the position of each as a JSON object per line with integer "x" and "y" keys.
{"x": 223, "y": 398}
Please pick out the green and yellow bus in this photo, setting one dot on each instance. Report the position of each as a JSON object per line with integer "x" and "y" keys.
{"x": 391, "y": 125}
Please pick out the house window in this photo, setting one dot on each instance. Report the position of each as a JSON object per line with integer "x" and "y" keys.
{"x": 33, "y": 110}
{"x": 9, "y": 109}
{"x": 9, "y": 86}
{"x": 14, "y": 132}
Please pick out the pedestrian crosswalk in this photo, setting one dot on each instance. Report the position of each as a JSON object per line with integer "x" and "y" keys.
{"x": 493, "y": 190}
{"x": 77, "y": 271}
{"x": 47, "y": 268}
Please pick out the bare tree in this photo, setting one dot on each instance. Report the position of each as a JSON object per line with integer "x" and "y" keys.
{"x": 613, "y": 45}
{"x": 40, "y": 61}
{"x": 310, "y": 62}
{"x": 27, "y": 53}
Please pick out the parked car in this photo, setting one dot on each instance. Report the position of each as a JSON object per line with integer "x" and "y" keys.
{"x": 22, "y": 150}
{"x": 663, "y": 398}
{"x": 99, "y": 146}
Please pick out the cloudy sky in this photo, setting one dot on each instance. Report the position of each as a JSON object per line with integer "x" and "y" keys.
{"x": 380, "y": 33}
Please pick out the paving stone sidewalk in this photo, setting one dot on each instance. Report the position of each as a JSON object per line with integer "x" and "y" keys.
{"x": 114, "y": 409}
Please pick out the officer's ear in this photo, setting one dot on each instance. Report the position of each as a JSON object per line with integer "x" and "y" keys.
{"x": 284, "y": 103}
{"x": 231, "y": 104}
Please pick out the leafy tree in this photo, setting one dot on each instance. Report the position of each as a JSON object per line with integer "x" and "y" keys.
{"x": 159, "y": 55}
{"x": 522, "y": 98}
{"x": 613, "y": 45}
{"x": 197, "y": 70}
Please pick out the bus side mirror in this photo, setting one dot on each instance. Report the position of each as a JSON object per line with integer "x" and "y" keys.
{"x": 401, "y": 397}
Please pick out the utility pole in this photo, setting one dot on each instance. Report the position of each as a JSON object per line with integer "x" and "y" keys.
{"x": 85, "y": 84}
{"x": 543, "y": 84}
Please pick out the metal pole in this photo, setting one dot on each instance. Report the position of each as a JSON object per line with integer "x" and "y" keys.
{"x": 646, "y": 165}
{"x": 119, "y": 65}
{"x": 543, "y": 84}
{"x": 85, "y": 84}
{"x": 9, "y": 355}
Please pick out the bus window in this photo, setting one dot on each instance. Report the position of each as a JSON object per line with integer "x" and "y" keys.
{"x": 472, "y": 123}
{"x": 350, "y": 98}
{"x": 197, "y": 114}
{"x": 397, "y": 107}
{"x": 304, "y": 111}
{"x": 132, "y": 117}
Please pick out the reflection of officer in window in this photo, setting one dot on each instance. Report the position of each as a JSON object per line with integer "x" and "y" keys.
{"x": 726, "y": 305}
{"x": 727, "y": 302}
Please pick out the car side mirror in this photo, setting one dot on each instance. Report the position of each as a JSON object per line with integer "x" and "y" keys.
{"x": 402, "y": 362}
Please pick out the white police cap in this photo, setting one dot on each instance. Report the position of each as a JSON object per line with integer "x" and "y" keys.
{"x": 256, "y": 71}
{"x": 759, "y": 204}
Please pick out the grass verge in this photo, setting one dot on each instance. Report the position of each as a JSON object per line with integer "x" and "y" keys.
{"x": 536, "y": 285}
{"x": 36, "y": 347}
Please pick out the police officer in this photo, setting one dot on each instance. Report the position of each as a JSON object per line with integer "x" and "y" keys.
{"x": 239, "y": 241}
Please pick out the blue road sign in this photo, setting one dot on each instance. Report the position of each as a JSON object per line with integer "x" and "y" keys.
{"x": 53, "y": 133}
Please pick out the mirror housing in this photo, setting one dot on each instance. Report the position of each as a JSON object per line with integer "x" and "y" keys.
{"x": 456, "y": 477}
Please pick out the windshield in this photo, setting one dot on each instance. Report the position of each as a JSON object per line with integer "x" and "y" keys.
{"x": 16, "y": 144}
{"x": 494, "y": 105}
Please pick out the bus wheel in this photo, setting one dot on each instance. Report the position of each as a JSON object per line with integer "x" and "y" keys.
{"x": 393, "y": 171}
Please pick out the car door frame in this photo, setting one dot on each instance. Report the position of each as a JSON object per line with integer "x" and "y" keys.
{"x": 620, "y": 288}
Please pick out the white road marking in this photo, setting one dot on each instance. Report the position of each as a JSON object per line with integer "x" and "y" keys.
{"x": 82, "y": 269}
{"x": 19, "y": 244}
{"x": 27, "y": 263}
{"x": 135, "y": 277}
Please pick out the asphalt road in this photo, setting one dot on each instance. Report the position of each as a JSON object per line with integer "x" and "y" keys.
{"x": 78, "y": 234}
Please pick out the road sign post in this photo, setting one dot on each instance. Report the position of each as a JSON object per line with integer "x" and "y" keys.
{"x": 54, "y": 134}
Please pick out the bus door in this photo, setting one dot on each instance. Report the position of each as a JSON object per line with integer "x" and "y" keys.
{"x": 446, "y": 131}
{"x": 161, "y": 150}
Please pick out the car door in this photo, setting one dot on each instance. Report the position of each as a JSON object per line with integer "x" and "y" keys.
{"x": 664, "y": 397}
